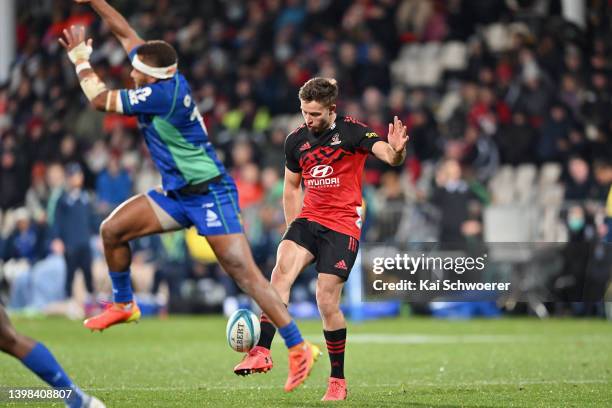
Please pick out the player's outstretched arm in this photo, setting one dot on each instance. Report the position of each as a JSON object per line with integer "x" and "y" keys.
{"x": 292, "y": 195}
{"x": 95, "y": 90}
{"x": 126, "y": 35}
{"x": 393, "y": 152}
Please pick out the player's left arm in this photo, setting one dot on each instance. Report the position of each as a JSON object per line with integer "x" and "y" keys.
{"x": 79, "y": 50}
{"x": 393, "y": 152}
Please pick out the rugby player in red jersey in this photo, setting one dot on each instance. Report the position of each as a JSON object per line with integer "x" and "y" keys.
{"x": 327, "y": 155}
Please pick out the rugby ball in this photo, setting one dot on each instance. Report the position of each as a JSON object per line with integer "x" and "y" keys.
{"x": 243, "y": 330}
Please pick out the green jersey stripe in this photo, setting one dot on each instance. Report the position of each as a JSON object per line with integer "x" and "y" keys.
{"x": 192, "y": 161}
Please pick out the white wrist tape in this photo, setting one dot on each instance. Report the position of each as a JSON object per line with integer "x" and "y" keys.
{"x": 81, "y": 52}
{"x": 82, "y": 66}
{"x": 155, "y": 72}
{"x": 92, "y": 86}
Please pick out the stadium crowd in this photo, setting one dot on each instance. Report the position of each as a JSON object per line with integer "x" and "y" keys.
{"x": 538, "y": 98}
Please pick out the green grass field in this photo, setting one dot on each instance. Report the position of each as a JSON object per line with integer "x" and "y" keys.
{"x": 185, "y": 361}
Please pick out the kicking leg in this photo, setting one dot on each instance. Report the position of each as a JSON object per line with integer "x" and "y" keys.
{"x": 234, "y": 255}
{"x": 291, "y": 259}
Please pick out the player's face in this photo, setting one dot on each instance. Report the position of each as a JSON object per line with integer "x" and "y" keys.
{"x": 317, "y": 116}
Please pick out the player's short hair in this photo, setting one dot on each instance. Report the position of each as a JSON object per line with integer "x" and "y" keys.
{"x": 157, "y": 53}
{"x": 321, "y": 90}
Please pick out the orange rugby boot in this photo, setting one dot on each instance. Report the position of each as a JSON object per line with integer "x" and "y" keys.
{"x": 301, "y": 360}
{"x": 114, "y": 313}
{"x": 257, "y": 360}
{"x": 336, "y": 390}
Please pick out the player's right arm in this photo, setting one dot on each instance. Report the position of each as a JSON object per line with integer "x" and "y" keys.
{"x": 292, "y": 191}
{"x": 126, "y": 35}
{"x": 79, "y": 50}
{"x": 151, "y": 99}
{"x": 292, "y": 195}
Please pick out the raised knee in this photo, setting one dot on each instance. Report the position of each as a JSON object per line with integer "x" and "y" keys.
{"x": 110, "y": 233}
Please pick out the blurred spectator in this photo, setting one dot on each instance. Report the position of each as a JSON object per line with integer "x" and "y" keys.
{"x": 250, "y": 191}
{"x": 55, "y": 181}
{"x": 113, "y": 186}
{"x": 481, "y": 153}
{"x": 454, "y": 199}
{"x": 42, "y": 285}
{"x": 13, "y": 181}
{"x": 274, "y": 151}
{"x": 27, "y": 240}
{"x": 37, "y": 195}
{"x": 168, "y": 254}
{"x": 73, "y": 226}
{"x": 553, "y": 145}
{"x": 147, "y": 177}
{"x": 392, "y": 204}
{"x": 424, "y": 137}
{"x": 535, "y": 95}
{"x": 577, "y": 254}
{"x": 517, "y": 140}
{"x": 375, "y": 70}
{"x": 598, "y": 99}
{"x": 602, "y": 180}
{"x": 579, "y": 183}
{"x": 171, "y": 264}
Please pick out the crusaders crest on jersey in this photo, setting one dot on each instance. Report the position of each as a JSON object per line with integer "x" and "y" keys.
{"x": 335, "y": 139}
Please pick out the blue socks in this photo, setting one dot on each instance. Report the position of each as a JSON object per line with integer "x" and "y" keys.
{"x": 122, "y": 287}
{"x": 291, "y": 334}
{"x": 42, "y": 363}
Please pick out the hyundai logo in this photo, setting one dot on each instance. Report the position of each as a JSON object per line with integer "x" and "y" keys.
{"x": 321, "y": 171}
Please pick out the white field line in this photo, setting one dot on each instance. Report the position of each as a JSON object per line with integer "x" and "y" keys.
{"x": 461, "y": 338}
{"x": 204, "y": 387}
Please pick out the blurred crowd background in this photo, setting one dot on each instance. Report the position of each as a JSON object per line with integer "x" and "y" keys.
{"x": 507, "y": 104}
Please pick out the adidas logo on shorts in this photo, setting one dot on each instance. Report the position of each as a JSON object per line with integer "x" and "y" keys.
{"x": 341, "y": 265}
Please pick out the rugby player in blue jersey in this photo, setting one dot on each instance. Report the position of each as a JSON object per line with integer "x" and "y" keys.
{"x": 196, "y": 189}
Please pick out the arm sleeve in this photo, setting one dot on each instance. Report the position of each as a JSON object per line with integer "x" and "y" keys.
{"x": 291, "y": 161}
{"x": 154, "y": 99}
{"x": 364, "y": 138}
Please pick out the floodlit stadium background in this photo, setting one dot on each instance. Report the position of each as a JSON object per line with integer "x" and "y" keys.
{"x": 507, "y": 104}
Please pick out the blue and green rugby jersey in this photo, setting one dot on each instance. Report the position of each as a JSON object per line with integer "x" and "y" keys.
{"x": 174, "y": 131}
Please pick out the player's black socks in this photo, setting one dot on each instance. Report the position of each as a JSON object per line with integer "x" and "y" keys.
{"x": 336, "y": 341}
{"x": 267, "y": 332}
